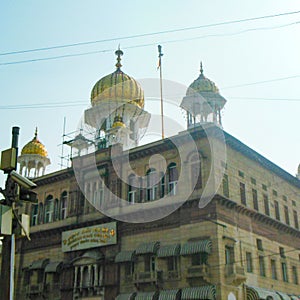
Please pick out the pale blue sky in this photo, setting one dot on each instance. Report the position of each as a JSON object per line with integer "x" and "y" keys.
{"x": 232, "y": 55}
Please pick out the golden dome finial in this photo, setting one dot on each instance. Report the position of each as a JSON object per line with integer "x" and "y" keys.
{"x": 201, "y": 68}
{"x": 119, "y": 53}
{"x": 36, "y": 132}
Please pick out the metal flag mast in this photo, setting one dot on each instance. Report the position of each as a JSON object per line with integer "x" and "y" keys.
{"x": 161, "y": 96}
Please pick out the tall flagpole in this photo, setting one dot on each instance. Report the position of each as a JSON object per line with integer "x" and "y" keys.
{"x": 161, "y": 95}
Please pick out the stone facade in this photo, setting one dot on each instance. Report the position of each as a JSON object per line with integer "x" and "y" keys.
{"x": 245, "y": 241}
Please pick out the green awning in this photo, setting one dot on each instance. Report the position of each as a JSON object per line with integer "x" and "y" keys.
{"x": 283, "y": 296}
{"x": 124, "y": 256}
{"x": 129, "y": 296}
{"x": 168, "y": 250}
{"x": 256, "y": 293}
{"x": 196, "y": 247}
{"x": 294, "y": 297}
{"x": 146, "y": 296}
{"x": 169, "y": 295}
{"x": 145, "y": 248}
{"x": 53, "y": 267}
{"x": 39, "y": 264}
{"x": 201, "y": 292}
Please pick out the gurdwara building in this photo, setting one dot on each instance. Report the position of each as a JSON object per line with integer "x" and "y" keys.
{"x": 198, "y": 215}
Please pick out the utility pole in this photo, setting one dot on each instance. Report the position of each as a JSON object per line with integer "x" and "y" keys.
{"x": 10, "y": 188}
{"x": 161, "y": 92}
{"x": 17, "y": 188}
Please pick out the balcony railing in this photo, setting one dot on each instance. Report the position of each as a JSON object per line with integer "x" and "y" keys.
{"x": 172, "y": 275}
{"x": 235, "y": 274}
{"x": 35, "y": 288}
{"x": 198, "y": 271}
{"x": 147, "y": 277}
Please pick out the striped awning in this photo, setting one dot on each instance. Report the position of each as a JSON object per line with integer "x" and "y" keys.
{"x": 283, "y": 296}
{"x": 124, "y": 256}
{"x": 196, "y": 247}
{"x": 201, "y": 292}
{"x": 53, "y": 267}
{"x": 129, "y": 296}
{"x": 146, "y": 296}
{"x": 168, "y": 250}
{"x": 169, "y": 295}
{"x": 256, "y": 293}
{"x": 145, "y": 248}
{"x": 39, "y": 264}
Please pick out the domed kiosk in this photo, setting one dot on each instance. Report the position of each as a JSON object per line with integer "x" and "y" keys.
{"x": 117, "y": 111}
{"x": 203, "y": 102}
{"x": 34, "y": 158}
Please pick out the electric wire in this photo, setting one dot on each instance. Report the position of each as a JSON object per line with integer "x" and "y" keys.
{"x": 144, "y": 45}
{"x": 152, "y": 33}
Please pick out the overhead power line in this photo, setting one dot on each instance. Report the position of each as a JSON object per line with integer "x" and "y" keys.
{"x": 147, "y": 44}
{"x": 260, "y": 82}
{"x": 85, "y": 103}
{"x": 150, "y": 33}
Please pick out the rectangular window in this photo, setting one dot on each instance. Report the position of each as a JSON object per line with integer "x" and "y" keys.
{"x": 241, "y": 174}
{"x": 273, "y": 269}
{"x": 255, "y": 200}
{"x": 281, "y": 252}
{"x": 199, "y": 259}
{"x": 262, "y": 270}
{"x": 296, "y": 219}
{"x": 172, "y": 263}
{"x": 149, "y": 263}
{"x": 277, "y": 213}
{"x": 286, "y": 214}
{"x": 129, "y": 268}
{"x": 295, "y": 275}
{"x": 253, "y": 180}
{"x": 284, "y": 272}
{"x": 274, "y": 193}
{"x": 293, "y": 202}
{"x": 284, "y": 198}
{"x": 264, "y": 187}
{"x": 266, "y": 204}
{"x": 249, "y": 262}
{"x": 34, "y": 214}
{"x": 225, "y": 186}
{"x": 259, "y": 244}
{"x": 243, "y": 193}
{"x": 229, "y": 255}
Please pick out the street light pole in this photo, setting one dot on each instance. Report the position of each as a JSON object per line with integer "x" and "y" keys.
{"x": 8, "y": 252}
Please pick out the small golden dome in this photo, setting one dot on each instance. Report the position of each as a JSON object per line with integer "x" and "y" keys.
{"x": 202, "y": 84}
{"x": 118, "y": 86}
{"x": 35, "y": 147}
{"x": 118, "y": 122}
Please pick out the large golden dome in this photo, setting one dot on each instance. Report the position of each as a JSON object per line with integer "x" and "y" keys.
{"x": 35, "y": 147}
{"x": 202, "y": 84}
{"x": 118, "y": 86}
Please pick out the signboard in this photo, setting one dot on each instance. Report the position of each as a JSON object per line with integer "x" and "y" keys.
{"x": 89, "y": 237}
{"x": 5, "y": 219}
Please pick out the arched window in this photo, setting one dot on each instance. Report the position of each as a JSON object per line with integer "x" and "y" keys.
{"x": 56, "y": 210}
{"x": 162, "y": 184}
{"x": 152, "y": 181}
{"x": 63, "y": 205}
{"x": 173, "y": 179}
{"x": 196, "y": 171}
{"x": 132, "y": 189}
{"x": 34, "y": 214}
{"x": 49, "y": 209}
{"x": 41, "y": 213}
